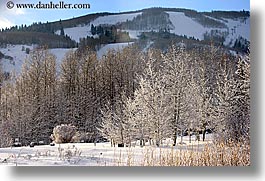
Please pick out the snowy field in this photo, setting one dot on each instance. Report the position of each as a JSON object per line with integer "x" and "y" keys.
{"x": 87, "y": 154}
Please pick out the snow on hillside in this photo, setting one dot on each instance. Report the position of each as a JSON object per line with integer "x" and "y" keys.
{"x": 17, "y": 55}
{"x": 114, "y": 46}
{"x": 60, "y": 54}
{"x": 237, "y": 28}
{"x": 186, "y": 26}
{"x": 15, "y": 52}
{"x": 183, "y": 25}
{"x": 75, "y": 33}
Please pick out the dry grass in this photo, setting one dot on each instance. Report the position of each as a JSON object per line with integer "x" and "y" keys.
{"x": 218, "y": 154}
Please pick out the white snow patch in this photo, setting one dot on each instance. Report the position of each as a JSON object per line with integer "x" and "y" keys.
{"x": 114, "y": 46}
{"x": 76, "y": 33}
{"x": 186, "y": 26}
{"x": 19, "y": 56}
{"x": 60, "y": 53}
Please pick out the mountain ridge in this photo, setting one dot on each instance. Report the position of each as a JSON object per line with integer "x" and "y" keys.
{"x": 147, "y": 28}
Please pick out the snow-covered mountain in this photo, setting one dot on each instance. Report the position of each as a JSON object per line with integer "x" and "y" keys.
{"x": 181, "y": 24}
{"x": 82, "y": 31}
{"x": 229, "y": 29}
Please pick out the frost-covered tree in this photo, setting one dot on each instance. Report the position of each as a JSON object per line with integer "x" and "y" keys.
{"x": 178, "y": 86}
{"x": 31, "y": 99}
{"x": 151, "y": 102}
{"x": 234, "y": 101}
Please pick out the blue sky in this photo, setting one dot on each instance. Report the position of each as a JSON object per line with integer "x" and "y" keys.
{"x": 9, "y": 17}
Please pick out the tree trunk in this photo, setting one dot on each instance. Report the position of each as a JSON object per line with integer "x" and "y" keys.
{"x": 189, "y": 135}
{"x": 203, "y": 134}
{"x": 175, "y": 137}
{"x": 181, "y": 140}
{"x": 141, "y": 143}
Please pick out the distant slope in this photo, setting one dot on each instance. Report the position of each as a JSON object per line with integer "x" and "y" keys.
{"x": 82, "y": 31}
{"x": 147, "y": 28}
{"x": 184, "y": 25}
{"x": 217, "y": 25}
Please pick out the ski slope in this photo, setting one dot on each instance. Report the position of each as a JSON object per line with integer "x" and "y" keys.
{"x": 184, "y": 25}
{"x": 19, "y": 56}
{"x": 237, "y": 28}
{"x": 75, "y": 33}
{"x": 81, "y": 31}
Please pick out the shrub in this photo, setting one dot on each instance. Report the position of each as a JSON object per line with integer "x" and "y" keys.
{"x": 65, "y": 133}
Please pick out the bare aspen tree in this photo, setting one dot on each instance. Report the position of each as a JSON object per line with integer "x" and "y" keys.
{"x": 178, "y": 75}
{"x": 152, "y": 102}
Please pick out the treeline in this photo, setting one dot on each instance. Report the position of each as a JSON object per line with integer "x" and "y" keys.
{"x": 42, "y": 39}
{"x": 228, "y": 14}
{"x": 34, "y": 27}
{"x": 128, "y": 95}
{"x": 204, "y": 20}
{"x": 52, "y": 27}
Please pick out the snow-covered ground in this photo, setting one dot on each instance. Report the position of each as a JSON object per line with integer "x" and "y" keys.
{"x": 114, "y": 46}
{"x": 87, "y": 154}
